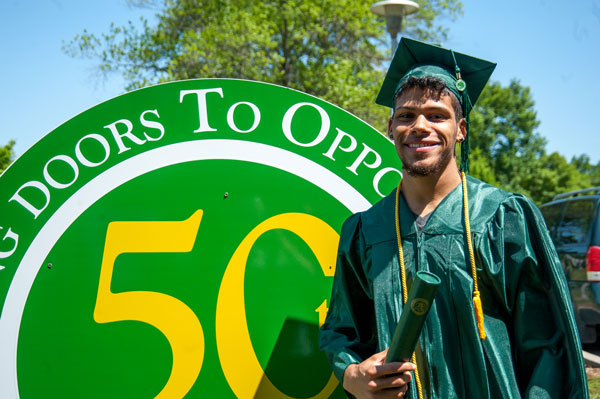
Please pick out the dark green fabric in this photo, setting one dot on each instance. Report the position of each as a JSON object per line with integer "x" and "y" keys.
{"x": 532, "y": 349}
{"x": 474, "y": 71}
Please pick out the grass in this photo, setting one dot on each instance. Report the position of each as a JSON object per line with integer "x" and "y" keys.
{"x": 594, "y": 385}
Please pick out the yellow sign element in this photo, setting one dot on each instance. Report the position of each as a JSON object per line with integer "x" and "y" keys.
{"x": 177, "y": 322}
{"x": 240, "y": 365}
{"x": 322, "y": 311}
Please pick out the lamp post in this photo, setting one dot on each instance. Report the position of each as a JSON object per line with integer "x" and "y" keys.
{"x": 394, "y": 11}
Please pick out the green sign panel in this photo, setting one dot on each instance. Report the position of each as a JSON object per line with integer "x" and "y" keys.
{"x": 180, "y": 241}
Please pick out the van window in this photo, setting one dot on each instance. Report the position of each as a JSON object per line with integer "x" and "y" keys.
{"x": 552, "y": 215}
{"x": 576, "y": 222}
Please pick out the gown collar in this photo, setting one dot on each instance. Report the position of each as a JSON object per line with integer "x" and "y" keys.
{"x": 446, "y": 218}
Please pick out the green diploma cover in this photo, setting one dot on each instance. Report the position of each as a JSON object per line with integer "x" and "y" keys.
{"x": 414, "y": 313}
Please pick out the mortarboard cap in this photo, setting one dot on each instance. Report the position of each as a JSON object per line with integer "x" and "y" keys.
{"x": 415, "y": 57}
{"x": 465, "y": 76}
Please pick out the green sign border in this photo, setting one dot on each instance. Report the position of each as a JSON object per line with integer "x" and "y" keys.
{"x": 68, "y": 170}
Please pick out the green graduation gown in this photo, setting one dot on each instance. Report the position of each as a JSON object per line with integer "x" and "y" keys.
{"x": 532, "y": 349}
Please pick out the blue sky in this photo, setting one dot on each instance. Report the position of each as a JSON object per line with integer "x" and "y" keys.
{"x": 551, "y": 46}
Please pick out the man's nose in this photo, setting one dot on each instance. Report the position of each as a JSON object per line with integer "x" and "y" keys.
{"x": 421, "y": 124}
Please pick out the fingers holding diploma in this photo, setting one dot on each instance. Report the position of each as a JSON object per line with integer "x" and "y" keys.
{"x": 373, "y": 378}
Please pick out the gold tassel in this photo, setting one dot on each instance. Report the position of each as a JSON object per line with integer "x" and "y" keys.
{"x": 476, "y": 296}
{"x": 478, "y": 313}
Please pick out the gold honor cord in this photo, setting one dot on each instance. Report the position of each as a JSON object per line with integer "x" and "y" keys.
{"x": 476, "y": 294}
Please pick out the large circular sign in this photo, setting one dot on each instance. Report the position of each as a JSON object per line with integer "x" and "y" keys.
{"x": 180, "y": 241}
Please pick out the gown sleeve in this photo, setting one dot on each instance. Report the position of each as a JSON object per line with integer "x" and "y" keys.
{"x": 349, "y": 333}
{"x": 546, "y": 350}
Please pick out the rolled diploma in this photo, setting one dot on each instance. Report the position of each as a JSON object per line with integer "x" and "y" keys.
{"x": 414, "y": 313}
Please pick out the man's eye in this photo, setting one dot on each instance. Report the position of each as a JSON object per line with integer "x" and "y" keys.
{"x": 437, "y": 117}
{"x": 404, "y": 115}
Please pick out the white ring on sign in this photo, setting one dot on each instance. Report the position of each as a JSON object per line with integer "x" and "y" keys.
{"x": 105, "y": 182}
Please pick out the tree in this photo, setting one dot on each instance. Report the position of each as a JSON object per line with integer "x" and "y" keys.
{"x": 554, "y": 175}
{"x": 480, "y": 167}
{"x": 333, "y": 49}
{"x": 6, "y": 155}
{"x": 507, "y": 149}
{"x": 584, "y": 166}
{"x": 503, "y": 124}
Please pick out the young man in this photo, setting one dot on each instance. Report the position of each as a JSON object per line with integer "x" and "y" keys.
{"x": 501, "y": 325}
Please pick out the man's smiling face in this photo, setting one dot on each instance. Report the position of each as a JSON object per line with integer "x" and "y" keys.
{"x": 425, "y": 130}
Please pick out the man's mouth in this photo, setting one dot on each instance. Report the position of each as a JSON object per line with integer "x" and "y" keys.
{"x": 421, "y": 147}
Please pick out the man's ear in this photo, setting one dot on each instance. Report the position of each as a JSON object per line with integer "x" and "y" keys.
{"x": 462, "y": 130}
{"x": 390, "y": 135}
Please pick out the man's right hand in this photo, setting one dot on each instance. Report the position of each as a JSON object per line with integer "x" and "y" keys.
{"x": 375, "y": 379}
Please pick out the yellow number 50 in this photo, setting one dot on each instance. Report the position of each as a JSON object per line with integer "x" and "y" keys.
{"x": 173, "y": 318}
{"x": 179, "y": 324}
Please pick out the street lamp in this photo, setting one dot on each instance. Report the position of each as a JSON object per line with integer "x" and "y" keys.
{"x": 394, "y": 11}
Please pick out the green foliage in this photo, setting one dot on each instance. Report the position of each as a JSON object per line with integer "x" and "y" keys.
{"x": 554, "y": 175}
{"x": 503, "y": 137}
{"x": 333, "y": 49}
{"x": 480, "y": 167}
{"x": 6, "y": 155}
{"x": 583, "y": 165}
{"x": 507, "y": 149}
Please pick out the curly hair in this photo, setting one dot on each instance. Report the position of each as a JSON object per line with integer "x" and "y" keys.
{"x": 434, "y": 87}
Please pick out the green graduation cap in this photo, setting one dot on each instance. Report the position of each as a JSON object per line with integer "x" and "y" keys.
{"x": 465, "y": 76}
